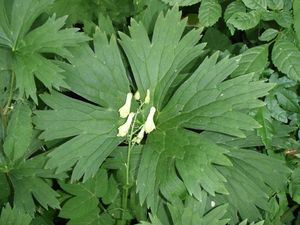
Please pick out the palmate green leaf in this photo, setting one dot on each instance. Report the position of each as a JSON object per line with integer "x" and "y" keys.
{"x": 209, "y": 104}
{"x": 94, "y": 130}
{"x": 99, "y": 77}
{"x": 255, "y": 177}
{"x": 253, "y": 60}
{"x": 193, "y": 212}
{"x": 168, "y": 50}
{"x": 16, "y": 19}
{"x": 244, "y": 20}
{"x": 82, "y": 207}
{"x": 219, "y": 109}
{"x": 149, "y": 11}
{"x": 28, "y": 46}
{"x": 209, "y": 12}
{"x": 193, "y": 158}
{"x": 286, "y": 56}
{"x": 181, "y": 2}
{"x": 174, "y": 160}
{"x": 12, "y": 216}
{"x": 19, "y": 125}
{"x": 28, "y": 181}
{"x": 252, "y": 140}
{"x": 25, "y": 176}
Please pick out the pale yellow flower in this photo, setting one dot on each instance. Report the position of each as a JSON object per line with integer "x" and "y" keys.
{"x": 137, "y": 95}
{"x": 124, "y": 129}
{"x": 125, "y": 109}
{"x": 149, "y": 124}
{"x": 140, "y": 136}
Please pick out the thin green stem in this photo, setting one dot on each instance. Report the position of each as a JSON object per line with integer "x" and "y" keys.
{"x": 5, "y": 110}
{"x": 126, "y": 187}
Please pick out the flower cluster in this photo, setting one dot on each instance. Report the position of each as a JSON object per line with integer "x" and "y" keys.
{"x": 125, "y": 112}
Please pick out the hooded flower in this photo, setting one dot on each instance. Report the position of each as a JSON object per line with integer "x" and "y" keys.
{"x": 125, "y": 109}
{"x": 137, "y": 95}
{"x": 149, "y": 124}
{"x": 140, "y": 136}
{"x": 123, "y": 129}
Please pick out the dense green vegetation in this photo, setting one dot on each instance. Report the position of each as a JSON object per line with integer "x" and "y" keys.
{"x": 149, "y": 112}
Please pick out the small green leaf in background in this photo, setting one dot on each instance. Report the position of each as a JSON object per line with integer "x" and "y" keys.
{"x": 209, "y": 12}
{"x": 268, "y": 35}
{"x": 233, "y": 8}
{"x": 12, "y": 216}
{"x": 244, "y": 20}
{"x": 181, "y": 2}
{"x": 30, "y": 46}
{"x": 286, "y": 57}
{"x": 289, "y": 100}
{"x": 296, "y": 12}
{"x": 284, "y": 18}
{"x": 255, "y": 4}
{"x": 276, "y": 4}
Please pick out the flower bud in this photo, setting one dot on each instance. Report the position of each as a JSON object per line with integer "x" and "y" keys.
{"x": 124, "y": 129}
{"x": 147, "y": 98}
{"x": 137, "y": 95}
{"x": 125, "y": 109}
{"x": 140, "y": 136}
{"x": 149, "y": 124}
{"x": 212, "y": 204}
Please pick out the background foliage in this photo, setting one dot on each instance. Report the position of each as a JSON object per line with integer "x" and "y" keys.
{"x": 221, "y": 76}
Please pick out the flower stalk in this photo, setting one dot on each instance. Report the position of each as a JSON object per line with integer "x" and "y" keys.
{"x": 135, "y": 134}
